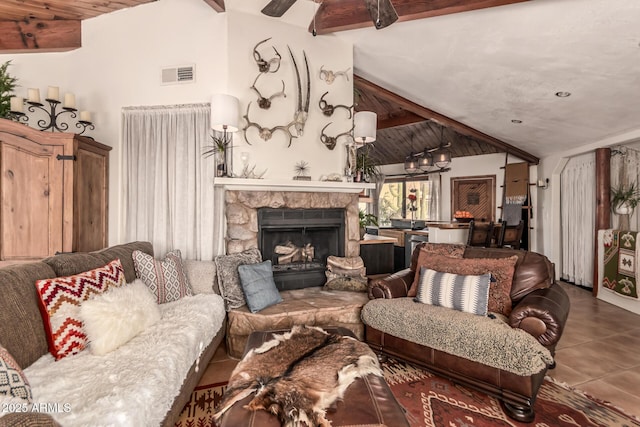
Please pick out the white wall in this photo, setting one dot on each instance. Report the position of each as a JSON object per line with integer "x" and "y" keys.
{"x": 123, "y": 52}
{"x": 245, "y": 30}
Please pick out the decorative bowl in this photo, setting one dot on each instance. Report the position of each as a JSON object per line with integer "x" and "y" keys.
{"x": 463, "y": 220}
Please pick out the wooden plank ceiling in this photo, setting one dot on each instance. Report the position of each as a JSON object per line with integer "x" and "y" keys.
{"x": 403, "y": 127}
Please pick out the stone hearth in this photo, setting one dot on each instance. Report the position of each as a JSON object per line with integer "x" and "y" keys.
{"x": 241, "y": 209}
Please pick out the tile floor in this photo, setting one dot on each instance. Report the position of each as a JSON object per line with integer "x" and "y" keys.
{"x": 599, "y": 352}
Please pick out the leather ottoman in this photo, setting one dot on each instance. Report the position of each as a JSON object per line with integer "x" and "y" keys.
{"x": 367, "y": 401}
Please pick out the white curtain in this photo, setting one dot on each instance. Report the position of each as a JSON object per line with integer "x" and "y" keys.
{"x": 168, "y": 184}
{"x": 577, "y": 204}
{"x": 625, "y": 168}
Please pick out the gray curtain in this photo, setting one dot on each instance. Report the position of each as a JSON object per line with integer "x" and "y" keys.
{"x": 577, "y": 205}
{"x": 168, "y": 184}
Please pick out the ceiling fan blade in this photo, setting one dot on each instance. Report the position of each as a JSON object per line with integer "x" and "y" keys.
{"x": 384, "y": 17}
{"x": 277, "y": 8}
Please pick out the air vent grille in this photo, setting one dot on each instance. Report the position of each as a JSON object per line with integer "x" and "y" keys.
{"x": 179, "y": 74}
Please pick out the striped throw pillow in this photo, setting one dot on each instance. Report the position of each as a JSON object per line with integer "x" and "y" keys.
{"x": 459, "y": 292}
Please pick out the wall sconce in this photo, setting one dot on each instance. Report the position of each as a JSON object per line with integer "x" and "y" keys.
{"x": 224, "y": 118}
{"x": 53, "y": 99}
{"x": 364, "y": 126}
{"x": 544, "y": 184}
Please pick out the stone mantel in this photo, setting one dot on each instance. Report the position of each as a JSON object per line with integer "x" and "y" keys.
{"x": 242, "y": 184}
{"x": 243, "y": 197}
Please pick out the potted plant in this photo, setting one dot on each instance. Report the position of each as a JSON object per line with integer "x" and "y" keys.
{"x": 366, "y": 219}
{"x": 366, "y": 166}
{"x": 625, "y": 198}
{"x": 7, "y": 85}
{"x": 219, "y": 150}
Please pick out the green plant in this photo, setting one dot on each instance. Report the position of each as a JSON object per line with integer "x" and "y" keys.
{"x": 7, "y": 85}
{"x": 367, "y": 219}
{"x": 220, "y": 145}
{"x": 367, "y": 165}
{"x": 625, "y": 195}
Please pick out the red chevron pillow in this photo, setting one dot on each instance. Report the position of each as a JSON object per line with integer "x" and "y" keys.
{"x": 60, "y": 300}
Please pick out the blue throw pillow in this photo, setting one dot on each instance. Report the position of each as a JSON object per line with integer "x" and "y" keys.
{"x": 457, "y": 291}
{"x": 258, "y": 285}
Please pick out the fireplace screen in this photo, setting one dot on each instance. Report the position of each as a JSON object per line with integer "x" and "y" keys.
{"x": 298, "y": 242}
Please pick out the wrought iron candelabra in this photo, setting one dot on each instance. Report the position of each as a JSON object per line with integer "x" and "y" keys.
{"x": 53, "y": 120}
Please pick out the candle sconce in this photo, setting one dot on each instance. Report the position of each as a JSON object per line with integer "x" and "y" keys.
{"x": 53, "y": 120}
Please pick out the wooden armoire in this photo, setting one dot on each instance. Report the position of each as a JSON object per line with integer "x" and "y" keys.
{"x": 54, "y": 193}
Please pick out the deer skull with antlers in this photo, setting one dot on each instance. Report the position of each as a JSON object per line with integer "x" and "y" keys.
{"x": 328, "y": 109}
{"x": 264, "y": 132}
{"x": 330, "y": 76}
{"x": 265, "y": 103}
{"x": 264, "y": 66}
{"x": 331, "y": 141}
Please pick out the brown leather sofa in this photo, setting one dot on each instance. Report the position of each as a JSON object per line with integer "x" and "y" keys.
{"x": 540, "y": 307}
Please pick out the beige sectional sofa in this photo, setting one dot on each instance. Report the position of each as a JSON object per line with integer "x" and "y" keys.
{"x": 116, "y": 382}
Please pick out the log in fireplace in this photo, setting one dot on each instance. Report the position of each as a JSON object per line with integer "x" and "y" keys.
{"x": 298, "y": 242}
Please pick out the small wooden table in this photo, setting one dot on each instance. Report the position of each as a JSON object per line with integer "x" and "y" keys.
{"x": 377, "y": 254}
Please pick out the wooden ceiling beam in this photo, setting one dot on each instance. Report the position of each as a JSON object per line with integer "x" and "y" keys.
{"x": 40, "y": 35}
{"x": 367, "y": 86}
{"x": 406, "y": 118}
{"x": 341, "y": 15}
{"x": 217, "y": 5}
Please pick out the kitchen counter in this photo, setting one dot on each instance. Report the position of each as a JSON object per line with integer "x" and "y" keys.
{"x": 372, "y": 239}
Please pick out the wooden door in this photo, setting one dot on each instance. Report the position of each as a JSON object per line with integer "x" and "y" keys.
{"x": 476, "y": 194}
{"x": 90, "y": 198}
{"x": 31, "y": 183}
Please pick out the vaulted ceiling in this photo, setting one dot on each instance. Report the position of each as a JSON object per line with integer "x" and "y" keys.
{"x": 486, "y": 70}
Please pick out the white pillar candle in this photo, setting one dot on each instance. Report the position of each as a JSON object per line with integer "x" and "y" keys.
{"x": 53, "y": 93}
{"x": 34, "y": 95}
{"x": 85, "y": 116}
{"x": 69, "y": 100}
{"x": 16, "y": 104}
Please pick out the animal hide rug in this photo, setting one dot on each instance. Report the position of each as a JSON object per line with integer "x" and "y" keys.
{"x": 298, "y": 375}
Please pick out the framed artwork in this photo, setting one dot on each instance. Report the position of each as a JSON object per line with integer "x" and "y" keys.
{"x": 475, "y": 194}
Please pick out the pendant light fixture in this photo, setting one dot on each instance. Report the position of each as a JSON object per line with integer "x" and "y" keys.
{"x": 439, "y": 157}
{"x": 411, "y": 164}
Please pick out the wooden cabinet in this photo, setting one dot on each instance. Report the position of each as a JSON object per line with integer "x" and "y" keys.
{"x": 53, "y": 193}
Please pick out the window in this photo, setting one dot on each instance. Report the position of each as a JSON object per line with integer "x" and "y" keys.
{"x": 393, "y": 202}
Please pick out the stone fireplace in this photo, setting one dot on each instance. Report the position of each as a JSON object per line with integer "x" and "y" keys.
{"x": 243, "y": 208}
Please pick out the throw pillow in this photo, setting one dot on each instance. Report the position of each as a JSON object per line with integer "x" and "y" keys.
{"x": 115, "y": 317}
{"x": 228, "y": 278}
{"x": 501, "y": 269}
{"x": 427, "y": 249}
{"x": 468, "y": 293}
{"x": 347, "y": 283}
{"x": 258, "y": 285}
{"x": 13, "y": 383}
{"x": 201, "y": 276}
{"x": 60, "y": 299}
{"x": 165, "y": 278}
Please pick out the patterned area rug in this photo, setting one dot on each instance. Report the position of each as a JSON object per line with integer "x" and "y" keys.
{"x": 432, "y": 401}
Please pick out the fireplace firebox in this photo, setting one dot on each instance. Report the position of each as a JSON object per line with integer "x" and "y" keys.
{"x": 298, "y": 242}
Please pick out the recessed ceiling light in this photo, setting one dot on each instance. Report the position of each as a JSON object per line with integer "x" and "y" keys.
{"x": 516, "y": 121}
{"x": 563, "y": 94}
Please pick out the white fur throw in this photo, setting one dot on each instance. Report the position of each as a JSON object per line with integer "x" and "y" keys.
{"x": 113, "y": 318}
{"x": 136, "y": 384}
